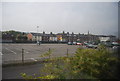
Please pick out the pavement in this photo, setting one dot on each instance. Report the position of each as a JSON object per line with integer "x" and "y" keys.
{"x": 14, "y": 72}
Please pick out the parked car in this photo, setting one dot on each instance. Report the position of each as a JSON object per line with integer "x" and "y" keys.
{"x": 91, "y": 46}
{"x": 107, "y": 44}
{"x": 74, "y": 43}
{"x": 69, "y": 43}
{"x": 116, "y": 49}
{"x": 116, "y": 46}
{"x": 95, "y": 46}
{"x": 85, "y": 44}
{"x": 79, "y": 43}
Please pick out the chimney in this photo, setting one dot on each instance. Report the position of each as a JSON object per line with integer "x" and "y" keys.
{"x": 51, "y": 33}
{"x": 43, "y": 32}
{"x": 68, "y": 33}
{"x": 88, "y": 32}
{"x": 72, "y": 33}
{"x": 63, "y": 32}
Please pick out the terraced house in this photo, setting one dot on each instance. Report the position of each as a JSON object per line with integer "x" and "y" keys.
{"x": 63, "y": 37}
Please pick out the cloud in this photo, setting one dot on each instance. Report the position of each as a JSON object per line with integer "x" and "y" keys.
{"x": 79, "y": 17}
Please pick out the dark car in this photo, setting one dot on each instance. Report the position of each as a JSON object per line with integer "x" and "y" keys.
{"x": 72, "y": 43}
{"x": 91, "y": 46}
{"x": 116, "y": 46}
{"x": 107, "y": 44}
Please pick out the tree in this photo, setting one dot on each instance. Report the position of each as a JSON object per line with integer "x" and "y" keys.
{"x": 22, "y": 37}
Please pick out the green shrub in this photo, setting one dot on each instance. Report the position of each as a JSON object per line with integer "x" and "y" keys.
{"x": 85, "y": 64}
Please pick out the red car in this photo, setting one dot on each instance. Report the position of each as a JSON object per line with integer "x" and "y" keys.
{"x": 79, "y": 43}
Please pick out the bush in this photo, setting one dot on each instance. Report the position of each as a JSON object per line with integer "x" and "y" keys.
{"x": 86, "y": 64}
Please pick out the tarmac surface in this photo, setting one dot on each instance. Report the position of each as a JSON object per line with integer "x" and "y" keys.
{"x": 12, "y": 53}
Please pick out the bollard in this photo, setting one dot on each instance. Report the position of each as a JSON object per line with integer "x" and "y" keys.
{"x": 67, "y": 52}
{"x": 22, "y": 55}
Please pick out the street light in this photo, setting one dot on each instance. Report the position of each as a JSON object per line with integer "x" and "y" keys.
{"x": 37, "y": 34}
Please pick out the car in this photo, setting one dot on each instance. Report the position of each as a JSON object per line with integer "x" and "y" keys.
{"x": 74, "y": 43}
{"x": 116, "y": 48}
{"x": 79, "y": 43}
{"x": 115, "y": 44}
{"x": 85, "y": 44}
{"x": 91, "y": 46}
{"x": 69, "y": 43}
{"x": 95, "y": 46}
{"x": 107, "y": 44}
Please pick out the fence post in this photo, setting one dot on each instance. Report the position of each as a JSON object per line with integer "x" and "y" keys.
{"x": 67, "y": 52}
{"x": 22, "y": 55}
{"x": 49, "y": 53}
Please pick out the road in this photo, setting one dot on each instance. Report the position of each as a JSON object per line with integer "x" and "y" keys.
{"x": 13, "y": 52}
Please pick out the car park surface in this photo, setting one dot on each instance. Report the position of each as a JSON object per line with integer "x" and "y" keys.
{"x": 32, "y": 52}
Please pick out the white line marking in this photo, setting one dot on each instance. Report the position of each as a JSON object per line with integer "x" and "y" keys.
{"x": 1, "y": 53}
{"x": 33, "y": 59}
{"x": 11, "y": 51}
{"x": 27, "y": 52}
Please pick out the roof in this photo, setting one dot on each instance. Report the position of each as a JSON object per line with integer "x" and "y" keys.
{"x": 106, "y": 36}
{"x": 41, "y": 34}
{"x": 37, "y": 34}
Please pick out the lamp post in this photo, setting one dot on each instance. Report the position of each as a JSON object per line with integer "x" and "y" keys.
{"x": 37, "y": 34}
{"x": 88, "y": 36}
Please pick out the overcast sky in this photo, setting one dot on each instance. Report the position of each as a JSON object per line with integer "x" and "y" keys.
{"x": 77, "y": 17}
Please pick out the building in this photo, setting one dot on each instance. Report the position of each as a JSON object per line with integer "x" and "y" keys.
{"x": 59, "y": 37}
{"x": 63, "y": 37}
{"x": 109, "y": 38}
{"x": 7, "y": 38}
{"x": 67, "y": 37}
{"x": 34, "y": 36}
{"x": 52, "y": 37}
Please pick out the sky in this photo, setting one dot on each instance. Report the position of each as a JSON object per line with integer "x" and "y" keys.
{"x": 77, "y": 17}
